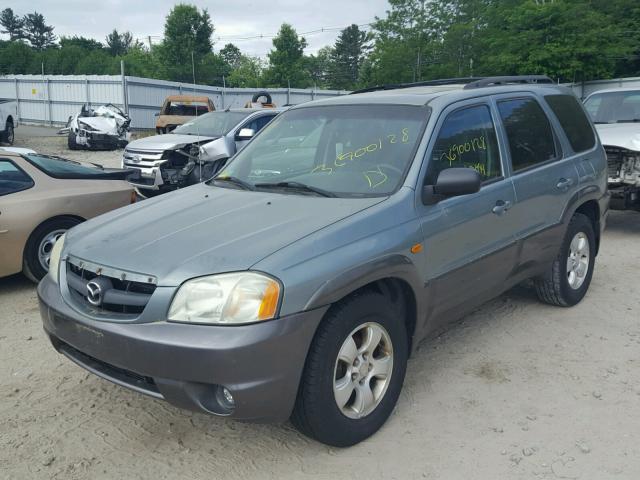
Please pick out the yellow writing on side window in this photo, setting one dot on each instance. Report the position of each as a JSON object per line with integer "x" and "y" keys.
{"x": 457, "y": 151}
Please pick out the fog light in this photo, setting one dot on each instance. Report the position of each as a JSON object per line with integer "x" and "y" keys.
{"x": 225, "y": 398}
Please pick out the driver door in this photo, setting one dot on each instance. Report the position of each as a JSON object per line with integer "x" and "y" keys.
{"x": 469, "y": 240}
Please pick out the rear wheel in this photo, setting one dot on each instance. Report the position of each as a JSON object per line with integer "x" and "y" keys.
{"x": 568, "y": 279}
{"x": 37, "y": 253}
{"x": 354, "y": 371}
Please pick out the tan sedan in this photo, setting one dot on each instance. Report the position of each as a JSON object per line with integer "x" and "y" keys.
{"x": 41, "y": 197}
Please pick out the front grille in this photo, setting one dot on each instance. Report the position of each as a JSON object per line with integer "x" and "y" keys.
{"x": 125, "y": 293}
{"x": 115, "y": 374}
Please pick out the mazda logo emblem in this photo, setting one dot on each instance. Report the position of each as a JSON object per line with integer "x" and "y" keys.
{"x": 94, "y": 293}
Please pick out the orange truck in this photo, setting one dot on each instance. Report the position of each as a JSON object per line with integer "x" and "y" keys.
{"x": 179, "y": 109}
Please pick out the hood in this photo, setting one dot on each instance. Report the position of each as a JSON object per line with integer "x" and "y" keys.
{"x": 622, "y": 135}
{"x": 203, "y": 230}
{"x": 100, "y": 124}
{"x": 166, "y": 142}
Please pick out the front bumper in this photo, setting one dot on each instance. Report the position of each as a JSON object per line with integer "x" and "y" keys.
{"x": 187, "y": 365}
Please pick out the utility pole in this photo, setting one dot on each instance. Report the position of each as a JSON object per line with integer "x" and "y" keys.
{"x": 149, "y": 38}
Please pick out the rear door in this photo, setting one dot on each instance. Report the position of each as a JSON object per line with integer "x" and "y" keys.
{"x": 470, "y": 239}
{"x": 543, "y": 176}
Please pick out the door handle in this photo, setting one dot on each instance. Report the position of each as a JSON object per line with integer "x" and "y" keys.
{"x": 501, "y": 207}
{"x": 564, "y": 184}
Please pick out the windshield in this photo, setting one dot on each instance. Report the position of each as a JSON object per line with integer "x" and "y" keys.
{"x": 355, "y": 150}
{"x": 214, "y": 124}
{"x": 614, "y": 107}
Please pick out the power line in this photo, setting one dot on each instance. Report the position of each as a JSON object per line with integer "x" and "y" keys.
{"x": 239, "y": 38}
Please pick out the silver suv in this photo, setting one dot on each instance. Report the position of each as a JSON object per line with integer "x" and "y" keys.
{"x": 192, "y": 152}
{"x": 298, "y": 281}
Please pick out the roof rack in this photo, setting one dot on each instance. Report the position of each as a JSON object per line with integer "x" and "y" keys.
{"x": 427, "y": 83}
{"x": 508, "y": 80}
{"x": 468, "y": 82}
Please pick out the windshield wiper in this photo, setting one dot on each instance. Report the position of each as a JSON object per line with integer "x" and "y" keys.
{"x": 630, "y": 120}
{"x": 297, "y": 186}
{"x": 235, "y": 181}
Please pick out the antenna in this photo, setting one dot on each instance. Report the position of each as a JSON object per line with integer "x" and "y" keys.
{"x": 195, "y": 106}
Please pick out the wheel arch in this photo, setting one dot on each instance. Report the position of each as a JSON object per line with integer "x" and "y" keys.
{"x": 55, "y": 217}
{"x": 591, "y": 209}
{"x": 394, "y": 276}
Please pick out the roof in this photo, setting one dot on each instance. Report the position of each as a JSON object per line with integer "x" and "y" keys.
{"x": 423, "y": 95}
{"x": 183, "y": 98}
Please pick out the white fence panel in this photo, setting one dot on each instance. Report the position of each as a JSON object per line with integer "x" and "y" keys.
{"x": 53, "y": 98}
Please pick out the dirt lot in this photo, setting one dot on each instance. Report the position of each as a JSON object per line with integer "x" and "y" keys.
{"x": 518, "y": 390}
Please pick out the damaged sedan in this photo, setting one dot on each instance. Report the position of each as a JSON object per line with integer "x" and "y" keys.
{"x": 616, "y": 114}
{"x": 105, "y": 128}
{"x": 193, "y": 152}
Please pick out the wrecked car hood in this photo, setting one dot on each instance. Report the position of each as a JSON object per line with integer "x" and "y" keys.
{"x": 622, "y": 135}
{"x": 101, "y": 124}
{"x": 166, "y": 142}
{"x": 203, "y": 230}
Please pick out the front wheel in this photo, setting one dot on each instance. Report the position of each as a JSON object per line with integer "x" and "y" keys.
{"x": 9, "y": 133}
{"x": 568, "y": 279}
{"x": 354, "y": 371}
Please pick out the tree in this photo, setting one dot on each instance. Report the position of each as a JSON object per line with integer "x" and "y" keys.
{"x": 187, "y": 32}
{"x": 286, "y": 62}
{"x": 120, "y": 43}
{"x": 319, "y": 67}
{"x": 81, "y": 42}
{"x": 231, "y": 55}
{"x": 37, "y": 32}
{"x": 11, "y": 24}
{"x": 347, "y": 57}
{"x": 566, "y": 40}
{"x": 402, "y": 43}
{"x": 247, "y": 74}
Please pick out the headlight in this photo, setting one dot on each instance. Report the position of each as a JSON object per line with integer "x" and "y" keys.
{"x": 228, "y": 299}
{"x": 54, "y": 261}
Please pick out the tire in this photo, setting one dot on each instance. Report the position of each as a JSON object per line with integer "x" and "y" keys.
{"x": 71, "y": 142}
{"x": 266, "y": 95}
{"x": 42, "y": 239}
{"x": 316, "y": 412}
{"x": 567, "y": 281}
{"x": 9, "y": 133}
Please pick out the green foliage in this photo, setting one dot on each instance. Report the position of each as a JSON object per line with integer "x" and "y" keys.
{"x": 12, "y": 25}
{"x": 247, "y": 74}
{"x": 286, "y": 60}
{"x": 37, "y": 32}
{"x": 187, "y": 33}
{"x": 82, "y": 42}
{"x": 346, "y": 58}
{"x": 120, "y": 43}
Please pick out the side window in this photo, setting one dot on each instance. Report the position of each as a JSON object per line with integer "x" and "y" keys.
{"x": 573, "y": 121}
{"x": 12, "y": 178}
{"x": 262, "y": 121}
{"x": 467, "y": 138}
{"x": 529, "y": 132}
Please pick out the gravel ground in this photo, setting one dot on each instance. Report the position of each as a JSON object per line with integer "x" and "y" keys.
{"x": 517, "y": 390}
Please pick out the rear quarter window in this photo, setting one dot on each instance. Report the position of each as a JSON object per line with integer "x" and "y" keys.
{"x": 573, "y": 120}
{"x": 531, "y": 139}
{"x": 13, "y": 178}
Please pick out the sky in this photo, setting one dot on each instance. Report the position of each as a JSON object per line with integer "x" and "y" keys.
{"x": 234, "y": 20}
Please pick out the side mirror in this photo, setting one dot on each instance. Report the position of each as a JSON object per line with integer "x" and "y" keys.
{"x": 157, "y": 114}
{"x": 452, "y": 182}
{"x": 245, "y": 134}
